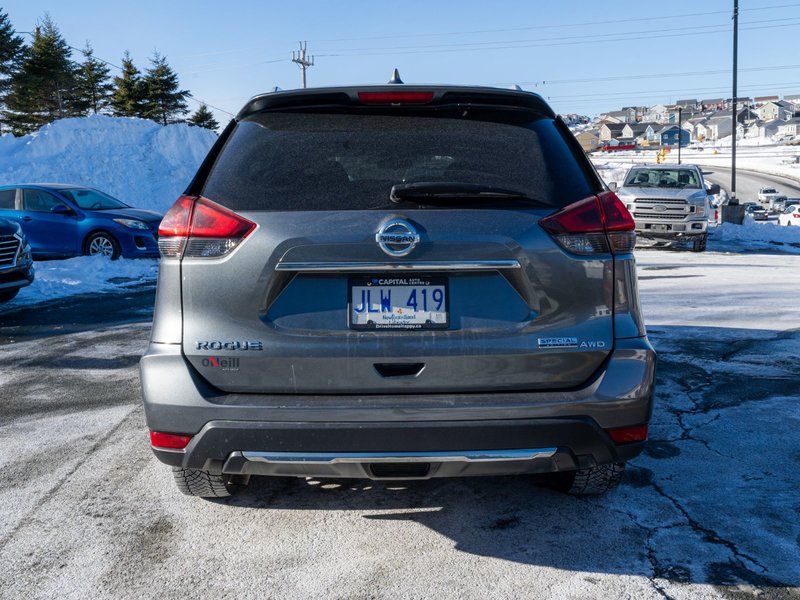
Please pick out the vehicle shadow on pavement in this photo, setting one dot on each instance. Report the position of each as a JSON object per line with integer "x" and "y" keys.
{"x": 703, "y": 504}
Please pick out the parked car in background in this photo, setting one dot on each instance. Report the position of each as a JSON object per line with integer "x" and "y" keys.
{"x": 63, "y": 220}
{"x": 766, "y": 194}
{"x": 758, "y": 212}
{"x": 791, "y": 216}
{"x": 16, "y": 263}
{"x": 779, "y": 203}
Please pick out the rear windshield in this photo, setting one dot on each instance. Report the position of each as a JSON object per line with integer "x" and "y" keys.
{"x": 322, "y": 161}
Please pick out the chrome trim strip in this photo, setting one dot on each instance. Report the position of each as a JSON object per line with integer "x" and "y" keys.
{"x": 423, "y": 265}
{"x": 466, "y": 456}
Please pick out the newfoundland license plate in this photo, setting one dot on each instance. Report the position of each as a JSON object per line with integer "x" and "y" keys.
{"x": 394, "y": 302}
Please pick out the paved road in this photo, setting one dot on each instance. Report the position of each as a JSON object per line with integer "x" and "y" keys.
{"x": 748, "y": 183}
{"x": 709, "y": 511}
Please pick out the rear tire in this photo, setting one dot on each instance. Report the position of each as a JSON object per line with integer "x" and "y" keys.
{"x": 6, "y": 296}
{"x": 591, "y": 481}
{"x": 196, "y": 482}
{"x": 699, "y": 245}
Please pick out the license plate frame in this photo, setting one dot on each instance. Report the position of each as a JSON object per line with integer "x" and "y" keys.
{"x": 377, "y": 282}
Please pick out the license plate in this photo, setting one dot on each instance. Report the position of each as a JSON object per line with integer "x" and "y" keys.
{"x": 397, "y": 302}
{"x": 660, "y": 228}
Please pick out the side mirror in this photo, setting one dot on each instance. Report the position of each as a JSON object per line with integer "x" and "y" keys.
{"x": 61, "y": 209}
{"x": 612, "y": 186}
{"x": 713, "y": 190}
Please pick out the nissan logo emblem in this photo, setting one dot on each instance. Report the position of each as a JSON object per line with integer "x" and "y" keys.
{"x": 397, "y": 237}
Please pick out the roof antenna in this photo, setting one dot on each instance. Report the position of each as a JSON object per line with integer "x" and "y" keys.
{"x": 396, "y": 77}
{"x": 516, "y": 87}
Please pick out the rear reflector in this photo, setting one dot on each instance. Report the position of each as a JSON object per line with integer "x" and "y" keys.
{"x": 197, "y": 227}
{"x": 395, "y": 97}
{"x": 169, "y": 440}
{"x": 624, "y": 435}
{"x": 595, "y": 225}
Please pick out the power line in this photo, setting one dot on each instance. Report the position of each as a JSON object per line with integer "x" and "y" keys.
{"x": 549, "y": 82}
{"x": 556, "y": 26}
{"x": 723, "y": 29}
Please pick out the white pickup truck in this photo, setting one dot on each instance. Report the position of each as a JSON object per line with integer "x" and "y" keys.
{"x": 669, "y": 202}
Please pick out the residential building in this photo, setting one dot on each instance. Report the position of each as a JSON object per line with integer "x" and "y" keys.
{"x": 790, "y": 127}
{"x": 656, "y": 114}
{"x": 775, "y": 109}
{"x": 639, "y": 133}
{"x": 610, "y": 131}
{"x": 716, "y": 128}
{"x": 761, "y": 100}
{"x": 713, "y": 104}
{"x": 589, "y": 140}
{"x": 670, "y": 135}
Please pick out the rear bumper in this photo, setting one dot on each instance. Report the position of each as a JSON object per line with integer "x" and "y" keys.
{"x": 327, "y": 436}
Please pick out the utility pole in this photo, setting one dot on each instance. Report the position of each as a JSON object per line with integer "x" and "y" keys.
{"x": 735, "y": 95}
{"x": 302, "y": 61}
{"x": 680, "y": 129}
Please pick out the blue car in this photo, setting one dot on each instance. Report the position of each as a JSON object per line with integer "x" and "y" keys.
{"x": 63, "y": 220}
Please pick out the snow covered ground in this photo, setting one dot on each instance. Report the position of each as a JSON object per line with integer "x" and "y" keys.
{"x": 142, "y": 163}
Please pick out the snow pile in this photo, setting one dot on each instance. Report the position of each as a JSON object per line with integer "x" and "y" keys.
{"x": 755, "y": 236}
{"x": 612, "y": 171}
{"x": 83, "y": 275}
{"x": 142, "y": 163}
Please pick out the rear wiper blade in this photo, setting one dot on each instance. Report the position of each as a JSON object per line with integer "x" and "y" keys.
{"x": 443, "y": 190}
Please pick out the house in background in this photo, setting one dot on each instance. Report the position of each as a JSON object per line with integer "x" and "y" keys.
{"x": 790, "y": 127}
{"x": 639, "y": 133}
{"x": 775, "y": 109}
{"x": 656, "y": 114}
{"x": 692, "y": 105}
{"x": 764, "y": 129}
{"x": 761, "y": 100}
{"x": 589, "y": 140}
{"x": 670, "y": 135}
{"x": 610, "y": 131}
{"x": 716, "y": 128}
{"x": 712, "y": 104}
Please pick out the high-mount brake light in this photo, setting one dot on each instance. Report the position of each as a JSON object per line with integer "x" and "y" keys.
{"x": 395, "y": 97}
{"x": 595, "y": 225}
{"x": 196, "y": 227}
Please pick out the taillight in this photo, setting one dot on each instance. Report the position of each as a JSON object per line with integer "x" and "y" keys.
{"x": 196, "y": 227}
{"x": 395, "y": 97}
{"x": 595, "y": 225}
{"x": 169, "y": 440}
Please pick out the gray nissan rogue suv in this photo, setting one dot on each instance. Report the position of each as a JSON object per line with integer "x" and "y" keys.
{"x": 397, "y": 282}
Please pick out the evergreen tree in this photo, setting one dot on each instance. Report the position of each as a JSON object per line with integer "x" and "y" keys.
{"x": 43, "y": 89}
{"x": 127, "y": 99}
{"x": 12, "y": 49}
{"x": 94, "y": 87}
{"x": 165, "y": 102}
{"x": 204, "y": 118}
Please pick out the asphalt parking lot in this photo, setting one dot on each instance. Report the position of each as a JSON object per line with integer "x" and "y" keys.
{"x": 711, "y": 510}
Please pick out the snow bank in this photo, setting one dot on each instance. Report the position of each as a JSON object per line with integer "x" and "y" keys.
{"x": 83, "y": 275}
{"x": 138, "y": 161}
{"x": 755, "y": 236}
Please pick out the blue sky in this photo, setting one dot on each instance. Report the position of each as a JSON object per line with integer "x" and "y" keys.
{"x": 584, "y": 56}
